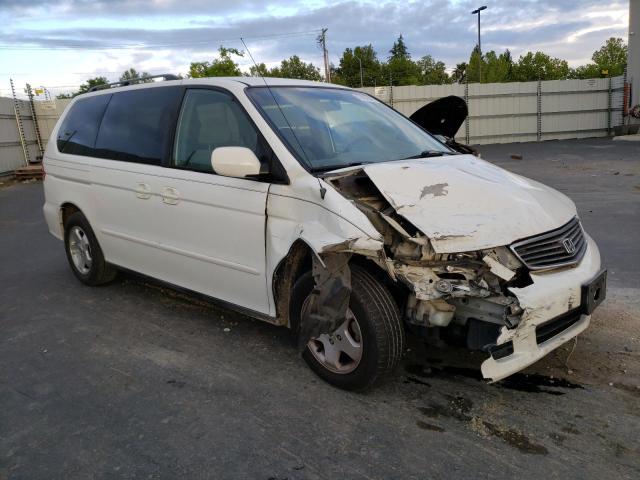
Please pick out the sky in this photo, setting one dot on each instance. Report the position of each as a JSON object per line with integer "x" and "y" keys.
{"x": 61, "y": 43}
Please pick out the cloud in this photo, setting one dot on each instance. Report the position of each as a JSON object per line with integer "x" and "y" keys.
{"x": 168, "y": 34}
{"x": 120, "y": 8}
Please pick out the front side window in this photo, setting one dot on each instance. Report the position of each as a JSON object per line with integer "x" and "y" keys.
{"x": 210, "y": 119}
{"x": 77, "y": 134}
{"x": 137, "y": 125}
{"x": 330, "y": 128}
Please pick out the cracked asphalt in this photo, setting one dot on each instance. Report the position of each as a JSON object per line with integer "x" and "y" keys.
{"x": 132, "y": 380}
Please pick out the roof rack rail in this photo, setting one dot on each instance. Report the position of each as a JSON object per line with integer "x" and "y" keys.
{"x": 124, "y": 83}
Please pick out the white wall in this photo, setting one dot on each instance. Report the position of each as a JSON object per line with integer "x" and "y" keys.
{"x": 522, "y": 111}
{"x": 11, "y": 153}
{"x": 498, "y": 112}
{"x": 633, "y": 54}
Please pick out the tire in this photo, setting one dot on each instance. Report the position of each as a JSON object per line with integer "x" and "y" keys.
{"x": 84, "y": 253}
{"x": 379, "y": 325}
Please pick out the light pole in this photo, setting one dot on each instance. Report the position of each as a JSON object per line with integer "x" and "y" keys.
{"x": 478, "y": 10}
{"x": 360, "y": 62}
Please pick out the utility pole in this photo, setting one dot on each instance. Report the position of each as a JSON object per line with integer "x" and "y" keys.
{"x": 360, "y": 61}
{"x": 633, "y": 55}
{"x": 478, "y": 10}
{"x": 323, "y": 43}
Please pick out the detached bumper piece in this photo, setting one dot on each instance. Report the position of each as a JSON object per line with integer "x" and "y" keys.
{"x": 544, "y": 332}
{"x": 553, "y": 333}
{"x": 594, "y": 292}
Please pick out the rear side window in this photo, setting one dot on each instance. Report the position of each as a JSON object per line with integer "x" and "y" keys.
{"x": 77, "y": 134}
{"x": 137, "y": 125}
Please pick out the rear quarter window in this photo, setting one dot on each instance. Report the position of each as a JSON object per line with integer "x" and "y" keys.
{"x": 79, "y": 129}
{"x": 137, "y": 126}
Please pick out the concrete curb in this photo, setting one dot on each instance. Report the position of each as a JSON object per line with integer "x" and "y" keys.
{"x": 628, "y": 138}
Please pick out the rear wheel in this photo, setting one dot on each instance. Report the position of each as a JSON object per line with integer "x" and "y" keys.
{"x": 367, "y": 345}
{"x": 84, "y": 253}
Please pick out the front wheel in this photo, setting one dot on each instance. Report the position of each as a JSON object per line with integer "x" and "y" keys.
{"x": 367, "y": 345}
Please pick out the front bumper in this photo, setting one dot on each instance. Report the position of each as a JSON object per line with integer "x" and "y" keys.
{"x": 555, "y": 311}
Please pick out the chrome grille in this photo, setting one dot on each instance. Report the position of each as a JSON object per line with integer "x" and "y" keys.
{"x": 563, "y": 246}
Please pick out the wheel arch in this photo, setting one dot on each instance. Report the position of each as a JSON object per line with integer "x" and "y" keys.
{"x": 299, "y": 260}
{"x": 292, "y": 266}
{"x": 66, "y": 210}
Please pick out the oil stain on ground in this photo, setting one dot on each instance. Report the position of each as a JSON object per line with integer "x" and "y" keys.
{"x": 523, "y": 382}
{"x": 459, "y": 408}
{"x": 515, "y": 439}
{"x": 429, "y": 426}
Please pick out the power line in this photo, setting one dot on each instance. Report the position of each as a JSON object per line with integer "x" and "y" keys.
{"x": 142, "y": 46}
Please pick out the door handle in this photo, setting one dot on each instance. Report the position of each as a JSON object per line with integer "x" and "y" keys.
{"x": 170, "y": 195}
{"x": 143, "y": 191}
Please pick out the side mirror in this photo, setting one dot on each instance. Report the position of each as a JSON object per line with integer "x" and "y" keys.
{"x": 237, "y": 162}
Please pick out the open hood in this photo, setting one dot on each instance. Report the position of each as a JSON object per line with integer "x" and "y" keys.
{"x": 463, "y": 203}
{"x": 443, "y": 116}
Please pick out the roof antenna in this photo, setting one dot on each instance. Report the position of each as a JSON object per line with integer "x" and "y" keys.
{"x": 323, "y": 190}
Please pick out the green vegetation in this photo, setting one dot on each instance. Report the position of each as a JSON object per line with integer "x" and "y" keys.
{"x": 130, "y": 74}
{"x": 224, "y": 66}
{"x": 400, "y": 69}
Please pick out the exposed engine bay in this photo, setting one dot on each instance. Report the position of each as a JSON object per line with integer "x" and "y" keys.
{"x": 473, "y": 252}
{"x": 444, "y": 289}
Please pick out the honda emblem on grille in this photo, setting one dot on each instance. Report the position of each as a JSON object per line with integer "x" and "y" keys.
{"x": 568, "y": 245}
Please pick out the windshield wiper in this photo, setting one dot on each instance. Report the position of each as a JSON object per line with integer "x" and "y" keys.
{"x": 427, "y": 154}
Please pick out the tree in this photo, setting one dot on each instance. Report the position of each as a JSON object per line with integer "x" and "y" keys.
{"x": 400, "y": 69}
{"x": 590, "y": 70}
{"x": 259, "y": 70}
{"x": 539, "y": 66}
{"x": 132, "y": 74}
{"x": 459, "y": 73}
{"x": 497, "y": 68}
{"x": 293, "y": 67}
{"x": 432, "y": 72}
{"x": 224, "y": 66}
{"x": 348, "y": 71}
{"x": 90, "y": 83}
{"x": 473, "y": 69}
{"x": 85, "y": 87}
{"x": 399, "y": 50}
{"x": 610, "y": 58}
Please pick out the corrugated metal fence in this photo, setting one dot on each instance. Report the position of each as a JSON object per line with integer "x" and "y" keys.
{"x": 498, "y": 112}
{"x": 11, "y": 154}
{"x": 522, "y": 111}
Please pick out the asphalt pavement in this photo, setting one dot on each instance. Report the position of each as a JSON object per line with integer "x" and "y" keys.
{"x": 133, "y": 380}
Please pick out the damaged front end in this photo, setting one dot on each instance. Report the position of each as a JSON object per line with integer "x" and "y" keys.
{"x": 487, "y": 295}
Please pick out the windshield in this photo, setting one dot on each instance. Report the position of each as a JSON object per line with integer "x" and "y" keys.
{"x": 329, "y": 128}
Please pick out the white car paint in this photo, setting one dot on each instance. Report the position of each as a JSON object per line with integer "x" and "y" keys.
{"x": 225, "y": 237}
{"x": 463, "y": 203}
{"x": 552, "y": 294}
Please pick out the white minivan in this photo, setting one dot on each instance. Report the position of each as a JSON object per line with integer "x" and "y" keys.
{"x": 319, "y": 208}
